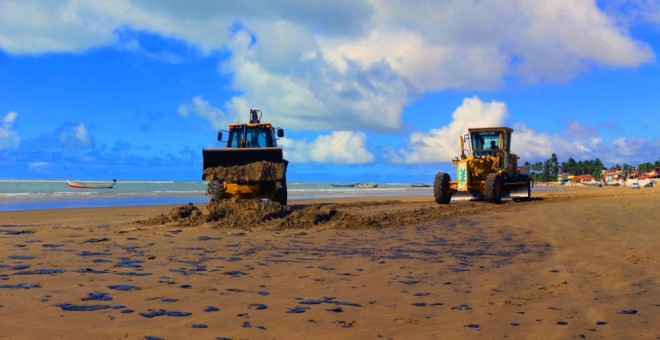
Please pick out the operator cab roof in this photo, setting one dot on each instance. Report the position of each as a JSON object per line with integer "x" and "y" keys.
{"x": 497, "y": 128}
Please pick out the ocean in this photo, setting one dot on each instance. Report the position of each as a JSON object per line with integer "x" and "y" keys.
{"x": 56, "y": 194}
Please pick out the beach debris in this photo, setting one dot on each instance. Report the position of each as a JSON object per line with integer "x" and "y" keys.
{"x": 17, "y": 232}
{"x": 21, "y": 257}
{"x": 257, "y": 306}
{"x": 69, "y": 307}
{"x": 345, "y": 324}
{"x": 97, "y": 296}
{"x": 161, "y": 312}
{"x": 461, "y": 307}
{"x": 297, "y": 310}
{"x": 40, "y": 271}
{"x": 96, "y": 240}
{"x": 124, "y": 288}
{"x": 21, "y": 286}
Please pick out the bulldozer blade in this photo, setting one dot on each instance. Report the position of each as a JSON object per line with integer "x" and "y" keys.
{"x": 244, "y": 166}
{"x": 227, "y": 157}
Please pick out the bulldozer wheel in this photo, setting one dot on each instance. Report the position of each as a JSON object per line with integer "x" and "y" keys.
{"x": 216, "y": 189}
{"x": 493, "y": 191}
{"x": 441, "y": 189}
{"x": 280, "y": 192}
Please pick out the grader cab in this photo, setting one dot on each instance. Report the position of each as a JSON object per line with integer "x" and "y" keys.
{"x": 250, "y": 166}
{"x": 486, "y": 169}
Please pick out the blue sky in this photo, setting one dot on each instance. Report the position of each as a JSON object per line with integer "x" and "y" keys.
{"x": 366, "y": 91}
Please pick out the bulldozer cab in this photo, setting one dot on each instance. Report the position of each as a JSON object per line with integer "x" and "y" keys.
{"x": 490, "y": 141}
{"x": 251, "y": 136}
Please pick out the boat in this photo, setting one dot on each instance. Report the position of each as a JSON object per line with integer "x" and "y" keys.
{"x": 91, "y": 185}
{"x": 420, "y": 185}
{"x": 366, "y": 185}
{"x": 350, "y": 185}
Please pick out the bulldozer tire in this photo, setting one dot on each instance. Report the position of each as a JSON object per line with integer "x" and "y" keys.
{"x": 441, "y": 188}
{"x": 280, "y": 192}
{"x": 216, "y": 189}
{"x": 493, "y": 192}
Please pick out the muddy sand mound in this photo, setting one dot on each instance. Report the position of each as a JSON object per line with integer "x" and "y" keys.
{"x": 185, "y": 215}
{"x": 246, "y": 214}
{"x": 257, "y": 171}
{"x": 264, "y": 214}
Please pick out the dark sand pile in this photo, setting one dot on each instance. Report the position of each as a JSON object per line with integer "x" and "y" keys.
{"x": 264, "y": 214}
{"x": 257, "y": 171}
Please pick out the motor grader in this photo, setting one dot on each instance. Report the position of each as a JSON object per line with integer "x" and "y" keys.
{"x": 251, "y": 165}
{"x": 486, "y": 170}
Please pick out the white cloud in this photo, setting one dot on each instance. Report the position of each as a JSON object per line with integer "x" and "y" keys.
{"x": 9, "y": 139}
{"x": 576, "y": 140}
{"x": 349, "y": 64}
{"x": 631, "y": 11}
{"x": 75, "y": 137}
{"x": 202, "y": 108}
{"x": 441, "y": 145}
{"x": 339, "y": 147}
{"x": 40, "y": 167}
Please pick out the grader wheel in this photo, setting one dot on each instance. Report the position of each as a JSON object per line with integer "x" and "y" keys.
{"x": 441, "y": 188}
{"x": 493, "y": 192}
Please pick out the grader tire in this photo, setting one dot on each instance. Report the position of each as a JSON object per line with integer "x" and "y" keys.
{"x": 280, "y": 192}
{"x": 441, "y": 188}
{"x": 493, "y": 192}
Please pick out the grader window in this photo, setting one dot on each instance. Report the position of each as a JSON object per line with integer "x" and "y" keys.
{"x": 485, "y": 142}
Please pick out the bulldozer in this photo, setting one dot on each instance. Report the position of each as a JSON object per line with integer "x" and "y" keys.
{"x": 250, "y": 166}
{"x": 486, "y": 170}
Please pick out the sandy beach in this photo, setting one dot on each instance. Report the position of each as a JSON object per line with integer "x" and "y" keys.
{"x": 574, "y": 263}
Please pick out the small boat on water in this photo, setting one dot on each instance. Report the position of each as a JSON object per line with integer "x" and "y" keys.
{"x": 366, "y": 185}
{"x": 420, "y": 185}
{"x": 91, "y": 185}
{"x": 349, "y": 185}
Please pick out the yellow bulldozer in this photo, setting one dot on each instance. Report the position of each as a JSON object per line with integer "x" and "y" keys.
{"x": 486, "y": 170}
{"x": 251, "y": 165}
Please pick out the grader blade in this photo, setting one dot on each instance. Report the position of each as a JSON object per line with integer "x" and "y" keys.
{"x": 518, "y": 190}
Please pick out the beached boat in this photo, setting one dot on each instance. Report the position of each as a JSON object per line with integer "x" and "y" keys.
{"x": 91, "y": 185}
{"x": 420, "y": 185}
{"x": 350, "y": 185}
{"x": 366, "y": 185}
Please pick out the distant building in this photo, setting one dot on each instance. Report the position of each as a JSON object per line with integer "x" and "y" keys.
{"x": 655, "y": 173}
{"x": 583, "y": 179}
{"x": 564, "y": 177}
{"x": 612, "y": 176}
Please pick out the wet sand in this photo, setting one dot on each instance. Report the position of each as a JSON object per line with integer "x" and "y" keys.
{"x": 573, "y": 263}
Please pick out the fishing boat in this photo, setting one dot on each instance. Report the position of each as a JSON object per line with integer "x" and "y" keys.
{"x": 366, "y": 185}
{"x": 420, "y": 185}
{"x": 91, "y": 185}
{"x": 349, "y": 185}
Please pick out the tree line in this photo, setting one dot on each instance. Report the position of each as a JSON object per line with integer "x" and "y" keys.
{"x": 548, "y": 170}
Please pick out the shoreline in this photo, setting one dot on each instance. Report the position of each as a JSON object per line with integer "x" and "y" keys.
{"x": 572, "y": 263}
